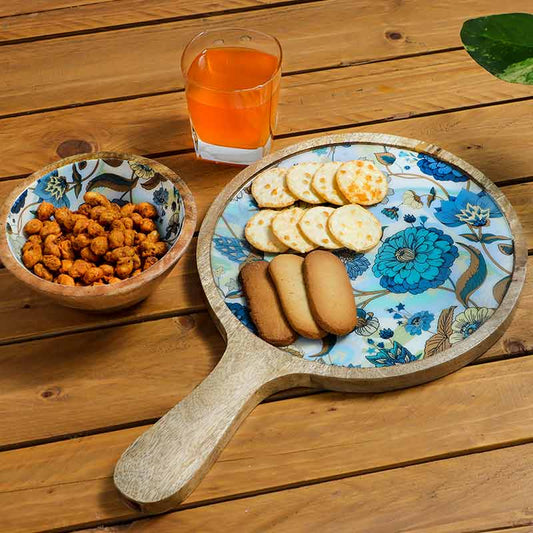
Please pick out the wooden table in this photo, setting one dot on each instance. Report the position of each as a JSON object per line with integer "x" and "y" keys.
{"x": 75, "y": 389}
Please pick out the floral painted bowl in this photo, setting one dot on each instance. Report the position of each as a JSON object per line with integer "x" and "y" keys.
{"x": 121, "y": 178}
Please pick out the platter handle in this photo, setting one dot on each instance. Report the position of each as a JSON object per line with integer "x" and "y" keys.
{"x": 166, "y": 463}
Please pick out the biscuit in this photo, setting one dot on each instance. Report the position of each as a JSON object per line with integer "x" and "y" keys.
{"x": 270, "y": 189}
{"x": 329, "y": 291}
{"x": 314, "y": 225}
{"x": 286, "y": 229}
{"x": 264, "y": 305}
{"x": 299, "y": 178}
{"x": 355, "y": 227}
{"x": 286, "y": 271}
{"x": 361, "y": 182}
{"x": 258, "y": 232}
{"x": 325, "y": 184}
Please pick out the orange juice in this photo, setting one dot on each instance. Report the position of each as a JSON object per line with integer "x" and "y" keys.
{"x": 232, "y": 95}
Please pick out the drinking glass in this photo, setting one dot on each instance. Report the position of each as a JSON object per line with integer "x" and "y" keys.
{"x": 232, "y": 78}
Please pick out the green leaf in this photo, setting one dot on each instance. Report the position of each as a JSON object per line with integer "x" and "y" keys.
{"x": 502, "y": 44}
{"x": 112, "y": 181}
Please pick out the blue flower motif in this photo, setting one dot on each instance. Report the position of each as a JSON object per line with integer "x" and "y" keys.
{"x": 410, "y": 219}
{"x": 467, "y": 208}
{"x": 241, "y": 312}
{"x": 386, "y": 333}
{"x": 398, "y": 354}
{"x": 19, "y": 202}
{"x": 419, "y": 322}
{"x": 438, "y": 169}
{"x": 161, "y": 196}
{"x": 415, "y": 260}
{"x": 400, "y": 307}
{"x": 235, "y": 249}
{"x": 355, "y": 263}
{"x": 366, "y": 324}
{"x": 390, "y": 212}
{"x": 53, "y": 188}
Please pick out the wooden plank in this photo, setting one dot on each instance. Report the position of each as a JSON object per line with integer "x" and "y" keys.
{"x": 66, "y": 394}
{"x": 25, "y": 315}
{"x": 489, "y": 490}
{"x": 143, "y": 60}
{"x": 289, "y": 443}
{"x": 334, "y": 98}
{"x": 18, "y": 7}
{"x": 98, "y": 14}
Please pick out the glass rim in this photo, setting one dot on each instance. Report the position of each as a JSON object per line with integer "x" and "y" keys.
{"x": 232, "y": 28}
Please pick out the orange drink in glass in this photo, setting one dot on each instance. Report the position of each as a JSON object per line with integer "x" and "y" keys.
{"x": 232, "y": 79}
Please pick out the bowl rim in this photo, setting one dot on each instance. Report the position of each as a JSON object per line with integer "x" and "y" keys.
{"x": 164, "y": 264}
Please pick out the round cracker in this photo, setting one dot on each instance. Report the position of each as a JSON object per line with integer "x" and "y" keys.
{"x": 270, "y": 189}
{"x": 355, "y": 227}
{"x": 314, "y": 225}
{"x": 325, "y": 185}
{"x": 361, "y": 182}
{"x": 286, "y": 229}
{"x": 299, "y": 179}
{"x": 259, "y": 234}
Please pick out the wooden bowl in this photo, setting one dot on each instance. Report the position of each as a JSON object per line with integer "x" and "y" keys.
{"x": 121, "y": 178}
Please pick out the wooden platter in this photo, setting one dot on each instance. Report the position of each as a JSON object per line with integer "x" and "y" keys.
{"x": 472, "y": 293}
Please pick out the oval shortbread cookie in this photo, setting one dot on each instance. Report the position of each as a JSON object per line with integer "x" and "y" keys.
{"x": 270, "y": 189}
{"x": 314, "y": 225}
{"x": 361, "y": 182}
{"x": 299, "y": 179}
{"x": 286, "y": 270}
{"x": 329, "y": 292}
{"x": 355, "y": 227}
{"x": 258, "y": 232}
{"x": 325, "y": 184}
{"x": 286, "y": 229}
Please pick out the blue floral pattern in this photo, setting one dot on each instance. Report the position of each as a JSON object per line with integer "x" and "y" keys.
{"x": 437, "y": 274}
{"x": 415, "y": 260}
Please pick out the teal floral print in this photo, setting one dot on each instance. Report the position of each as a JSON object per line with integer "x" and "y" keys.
{"x": 436, "y": 277}
{"x": 467, "y": 208}
{"x": 414, "y": 260}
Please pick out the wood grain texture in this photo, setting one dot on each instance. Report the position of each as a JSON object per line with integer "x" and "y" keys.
{"x": 99, "y": 14}
{"x": 144, "y": 60}
{"x": 334, "y": 98}
{"x": 465, "y": 494}
{"x": 284, "y": 444}
{"x": 18, "y": 7}
{"x": 57, "y": 393}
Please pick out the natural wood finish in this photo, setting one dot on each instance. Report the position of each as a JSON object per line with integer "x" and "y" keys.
{"x": 144, "y": 60}
{"x": 287, "y": 443}
{"x": 165, "y": 464}
{"x": 67, "y": 384}
{"x": 106, "y": 14}
{"x": 488, "y": 490}
{"x": 17, "y": 7}
{"x": 70, "y": 394}
{"x": 105, "y": 297}
{"x": 337, "y": 97}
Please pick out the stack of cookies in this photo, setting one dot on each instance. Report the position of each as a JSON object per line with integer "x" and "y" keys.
{"x": 293, "y": 296}
{"x": 346, "y": 185}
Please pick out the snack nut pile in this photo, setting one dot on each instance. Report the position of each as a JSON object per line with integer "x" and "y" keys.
{"x": 100, "y": 243}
